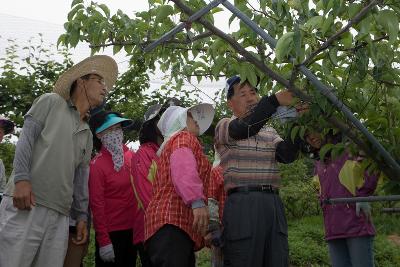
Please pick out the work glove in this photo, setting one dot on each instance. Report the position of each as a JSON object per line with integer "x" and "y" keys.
{"x": 107, "y": 253}
{"x": 216, "y": 238}
{"x": 365, "y": 208}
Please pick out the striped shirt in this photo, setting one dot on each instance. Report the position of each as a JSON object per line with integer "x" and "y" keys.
{"x": 166, "y": 206}
{"x": 248, "y": 161}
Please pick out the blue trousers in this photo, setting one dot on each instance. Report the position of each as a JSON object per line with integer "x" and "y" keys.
{"x": 352, "y": 252}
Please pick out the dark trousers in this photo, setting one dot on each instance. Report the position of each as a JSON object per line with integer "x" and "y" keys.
{"x": 144, "y": 256}
{"x": 124, "y": 250}
{"x": 171, "y": 247}
{"x": 255, "y": 231}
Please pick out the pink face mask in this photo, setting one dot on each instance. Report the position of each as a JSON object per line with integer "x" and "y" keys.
{"x": 112, "y": 141}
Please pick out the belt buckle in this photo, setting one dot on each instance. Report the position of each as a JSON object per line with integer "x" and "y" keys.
{"x": 266, "y": 187}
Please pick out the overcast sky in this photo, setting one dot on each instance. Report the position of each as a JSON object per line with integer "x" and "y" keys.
{"x": 22, "y": 19}
{"x": 55, "y": 11}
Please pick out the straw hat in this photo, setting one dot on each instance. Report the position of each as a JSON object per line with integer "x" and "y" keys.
{"x": 102, "y": 65}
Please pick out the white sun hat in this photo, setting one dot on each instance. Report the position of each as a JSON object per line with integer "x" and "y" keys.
{"x": 102, "y": 65}
{"x": 174, "y": 118}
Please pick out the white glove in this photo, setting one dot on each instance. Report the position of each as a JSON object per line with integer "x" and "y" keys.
{"x": 107, "y": 253}
{"x": 365, "y": 208}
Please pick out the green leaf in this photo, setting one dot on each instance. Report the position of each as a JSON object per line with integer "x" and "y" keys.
{"x": 295, "y": 4}
{"x": 231, "y": 19}
{"x": 325, "y": 149}
{"x": 333, "y": 55}
{"x": 75, "y": 2}
{"x": 105, "y": 10}
{"x": 293, "y": 132}
{"x": 389, "y": 21}
{"x": 314, "y": 23}
{"x": 327, "y": 24}
{"x": 61, "y": 39}
{"x": 216, "y": 10}
{"x": 218, "y": 65}
{"x": 251, "y": 75}
{"x": 319, "y": 5}
{"x": 116, "y": 48}
{"x": 353, "y": 9}
{"x": 74, "y": 37}
{"x": 337, "y": 150}
{"x": 72, "y": 13}
{"x": 164, "y": 12}
{"x": 329, "y": 6}
{"x": 284, "y": 46}
{"x": 302, "y": 131}
{"x": 243, "y": 72}
{"x": 347, "y": 40}
{"x": 263, "y": 22}
{"x": 128, "y": 48}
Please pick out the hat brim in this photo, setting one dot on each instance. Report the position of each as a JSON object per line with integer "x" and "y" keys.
{"x": 203, "y": 114}
{"x": 101, "y": 65}
{"x": 112, "y": 121}
{"x": 154, "y": 112}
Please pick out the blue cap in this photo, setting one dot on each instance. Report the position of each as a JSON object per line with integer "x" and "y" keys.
{"x": 111, "y": 120}
{"x": 231, "y": 82}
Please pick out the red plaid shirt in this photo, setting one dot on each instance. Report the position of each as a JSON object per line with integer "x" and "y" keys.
{"x": 166, "y": 206}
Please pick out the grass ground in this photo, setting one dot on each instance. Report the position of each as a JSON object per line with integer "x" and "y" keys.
{"x": 308, "y": 248}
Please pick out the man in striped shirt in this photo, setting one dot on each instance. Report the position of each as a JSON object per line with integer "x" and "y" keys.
{"x": 255, "y": 229}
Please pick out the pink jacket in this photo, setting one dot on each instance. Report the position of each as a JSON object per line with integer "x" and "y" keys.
{"x": 111, "y": 196}
{"x": 141, "y": 163}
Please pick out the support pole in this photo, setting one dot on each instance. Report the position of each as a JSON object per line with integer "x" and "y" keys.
{"x": 331, "y": 201}
{"x": 391, "y": 210}
{"x": 322, "y": 88}
{"x": 182, "y": 25}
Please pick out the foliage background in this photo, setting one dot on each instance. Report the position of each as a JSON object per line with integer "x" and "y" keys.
{"x": 361, "y": 65}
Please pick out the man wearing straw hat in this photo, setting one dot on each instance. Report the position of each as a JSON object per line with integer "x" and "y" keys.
{"x": 255, "y": 229}
{"x": 55, "y": 143}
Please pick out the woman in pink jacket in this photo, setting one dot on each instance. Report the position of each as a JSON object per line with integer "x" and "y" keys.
{"x": 111, "y": 196}
{"x": 144, "y": 166}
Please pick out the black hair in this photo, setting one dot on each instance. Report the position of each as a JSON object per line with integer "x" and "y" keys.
{"x": 149, "y": 131}
{"x": 8, "y": 126}
{"x": 231, "y": 90}
{"x": 329, "y": 138}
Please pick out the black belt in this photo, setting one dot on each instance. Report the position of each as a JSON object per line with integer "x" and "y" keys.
{"x": 254, "y": 188}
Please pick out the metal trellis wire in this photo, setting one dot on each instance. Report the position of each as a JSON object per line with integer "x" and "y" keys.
{"x": 325, "y": 90}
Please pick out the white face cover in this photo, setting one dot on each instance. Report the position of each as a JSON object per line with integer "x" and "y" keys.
{"x": 112, "y": 141}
